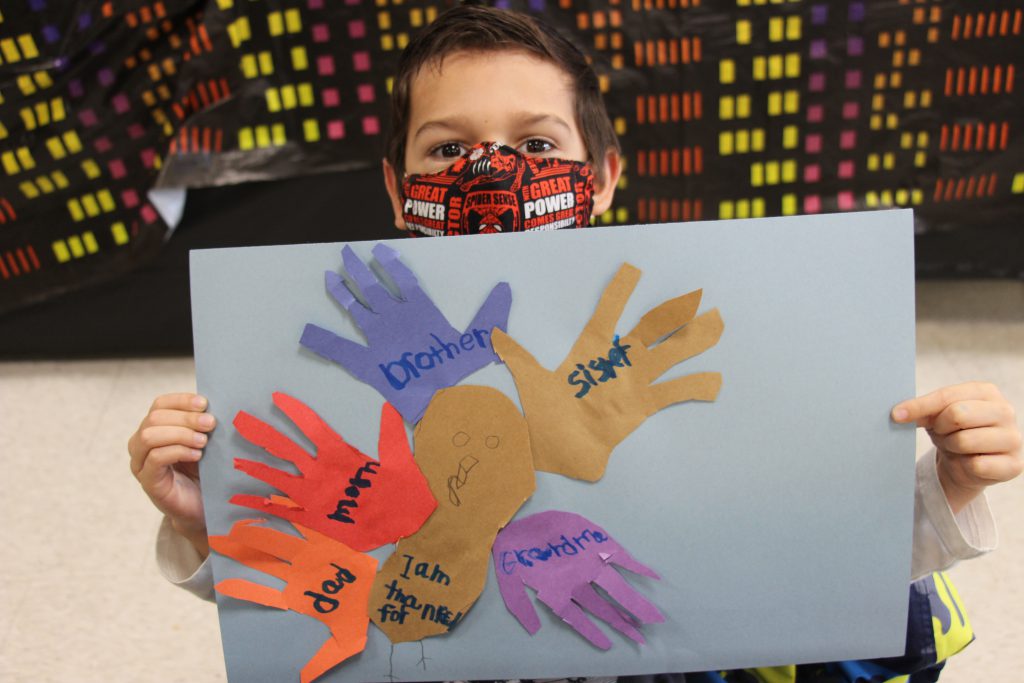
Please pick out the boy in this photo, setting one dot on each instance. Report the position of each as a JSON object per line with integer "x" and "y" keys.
{"x": 448, "y": 98}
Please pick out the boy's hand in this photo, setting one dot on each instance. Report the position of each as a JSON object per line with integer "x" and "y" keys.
{"x": 976, "y": 436}
{"x": 165, "y": 451}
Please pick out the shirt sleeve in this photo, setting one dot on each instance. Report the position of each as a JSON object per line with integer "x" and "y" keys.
{"x": 181, "y": 564}
{"x": 941, "y": 539}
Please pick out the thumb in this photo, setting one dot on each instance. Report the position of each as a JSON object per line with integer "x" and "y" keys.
{"x": 393, "y": 444}
{"x": 520, "y": 362}
{"x": 495, "y": 310}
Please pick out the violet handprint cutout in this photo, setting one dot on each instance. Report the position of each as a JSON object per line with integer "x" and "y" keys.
{"x": 412, "y": 350}
{"x": 563, "y": 557}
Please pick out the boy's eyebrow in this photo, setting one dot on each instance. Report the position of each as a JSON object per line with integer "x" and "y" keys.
{"x": 521, "y": 118}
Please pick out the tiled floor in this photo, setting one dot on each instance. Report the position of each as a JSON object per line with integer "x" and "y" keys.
{"x": 80, "y": 596}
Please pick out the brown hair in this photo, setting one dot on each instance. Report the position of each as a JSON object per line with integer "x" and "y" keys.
{"x": 476, "y": 27}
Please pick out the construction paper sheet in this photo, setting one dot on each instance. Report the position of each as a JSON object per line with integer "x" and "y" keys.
{"x": 412, "y": 349}
{"x": 563, "y": 557}
{"x": 342, "y": 493}
{"x": 603, "y": 389}
{"x": 324, "y": 579}
{"x": 782, "y": 510}
{"x": 473, "y": 446}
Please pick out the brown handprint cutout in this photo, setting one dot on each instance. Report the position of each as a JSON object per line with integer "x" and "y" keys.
{"x": 473, "y": 447}
{"x": 604, "y": 389}
{"x": 324, "y": 579}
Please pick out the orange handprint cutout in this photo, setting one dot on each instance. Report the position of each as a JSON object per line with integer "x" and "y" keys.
{"x": 604, "y": 389}
{"x": 324, "y": 579}
{"x": 340, "y": 493}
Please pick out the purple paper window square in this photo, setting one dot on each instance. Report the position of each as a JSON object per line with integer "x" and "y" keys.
{"x": 812, "y": 173}
{"x": 845, "y": 169}
{"x": 847, "y": 139}
{"x": 537, "y": 5}
{"x": 854, "y": 46}
{"x": 853, "y": 78}
{"x": 812, "y": 143}
{"x": 816, "y": 81}
{"x": 851, "y": 110}
{"x": 321, "y": 33}
{"x": 75, "y": 88}
{"x": 819, "y": 49}
{"x": 37, "y": 5}
{"x": 812, "y": 203}
{"x": 87, "y": 117}
{"x": 325, "y": 65}
{"x": 819, "y": 14}
{"x": 136, "y": 131}
{"x": 84, "y": 20}
{"x": 97, "y": 48}
{"x": 815, "y": 113}
{"x": 845, "y": 200}
{"x": 336, "y": 129}
{"x": 130, "y": 198}
{"x": 103, "y": 144}
{"x": 121, "y": 103}
{"x": 117, "y": 168}
{"x": 856, "y": 11}
{"x": 365, "y": 93}
{"x": 51, "y": 34}
{"x": 105, "y": 77}
{"x": 331, "y": 97}
{"x": 371, "y": 125}
{"x": 361, "y": 60}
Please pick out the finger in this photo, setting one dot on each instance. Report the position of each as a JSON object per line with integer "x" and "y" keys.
{"x": 980, "y": 441}
{"x": 404, "y": 279}
{"x": 373, "y": 291}
{"x": 340, "y": 292}
{"x": 698, "y": 336}
{"x": 149, "y": 438}
{"x": 231, "y": 546}
{"x": 613, "y": 301}
{"x": 289, "y": 512}
{"x": 521, "y": 363}
{"x": 588, "y": 598}
{"x": 354, "y": 357}
{"x": 328, "y": 442}
{"x": 666, "y": 318}
{"x": 972, "y": 414}
{"x": 513, "y": 593}
{"x": 575, "y": 617}
{"x": 334, "y": 651}
{"x": 495, "y": 310}
{"x": 288, "y": 484}
{"x": 700, "y": 386}
{"x": 624, "y": 594}
{"x": 393, "y": 449}
{"x": 626, "y": 561}
{"x": 164, "y": 456}
{"x": 924, "y": 409}
{"x": 240, "y": 589}
{"x": 259, "y": 433}
{"x": 197, "y": 421}
{"x": 180, "y": 401}
{"x": 989, "y": 469}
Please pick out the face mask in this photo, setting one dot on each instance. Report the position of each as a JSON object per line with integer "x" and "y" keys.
{"x": 494, "y": 188}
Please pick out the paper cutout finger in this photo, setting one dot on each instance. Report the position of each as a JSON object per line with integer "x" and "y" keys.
{"x": 341, "y": 493}
{"x": 324, "y": 579}
{"x": 563, "y": 557}
{"x": 412, "y": 350}
{"x": 603, "y": 389}
{"x": 473, "y": 446}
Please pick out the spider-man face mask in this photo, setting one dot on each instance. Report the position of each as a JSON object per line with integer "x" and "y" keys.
{"x": 494, "y": 188}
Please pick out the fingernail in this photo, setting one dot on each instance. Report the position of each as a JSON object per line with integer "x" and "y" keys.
{"x": 206, "y": 421}
{"x": 199, "y": 439}
{"x": 199, "y": 402}
{"x": 196, "y": 453}
{"x": 900, "y": 414}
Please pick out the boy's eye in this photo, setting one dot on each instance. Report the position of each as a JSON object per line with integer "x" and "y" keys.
{"x": 536, "y": 146}
{"x": 449, "y": 150}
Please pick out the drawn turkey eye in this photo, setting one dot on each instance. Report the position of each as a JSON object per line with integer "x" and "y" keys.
{"x": 492, "y": 442}
{"x": 460, "y": 439}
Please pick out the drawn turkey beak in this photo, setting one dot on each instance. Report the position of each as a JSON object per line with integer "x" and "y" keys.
{"x": 458, "y": 480}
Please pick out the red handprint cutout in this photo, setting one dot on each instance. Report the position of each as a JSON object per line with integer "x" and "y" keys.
{"x": 325, "y": 580}
{"x": 341, "y": 493}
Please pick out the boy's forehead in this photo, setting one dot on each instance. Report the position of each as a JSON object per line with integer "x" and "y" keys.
{"x": 501, "y": 63}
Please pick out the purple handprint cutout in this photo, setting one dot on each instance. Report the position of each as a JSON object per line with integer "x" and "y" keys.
{"x": 412, "y": 349}
{"x": 563, "y": 556}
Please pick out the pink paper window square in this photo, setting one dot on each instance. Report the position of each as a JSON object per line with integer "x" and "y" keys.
{"x": 845, "y": 200}
{"x": 87, "y": 117}
{"x": 325, "y": 65}
{"x": 853, "y": 78}
{"x": 846, "y": 169}
{"x": 812, "y": 203}
{"x": 121, "y": 103}
{"x": 130, "y": 198}
{"x": 851, "y": 110}
{"x": 812, "y": 143}
{"x": 816, "y": 82}
{"x": 331, "y": 97}
{"x": 848, "y": 139}
{"x": 136, "y": 130}
{"x": 321, "y": 33}
{"x": 148, "y": 213}
{"x": 812, "y": 173}
{"x": 361, "y": 61}
{"x": 365, "y": 92}
{"x": 316, "y": 4}
{"x": 371, "y": 125}
{"x": 356, "y": 28}
{"x": 815, "y": 113}
{"x": 117, "y": 169}
{"x": 336, "y": 129}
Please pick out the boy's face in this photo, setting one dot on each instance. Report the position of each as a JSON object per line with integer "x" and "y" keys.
{"x": 506, "y": 96}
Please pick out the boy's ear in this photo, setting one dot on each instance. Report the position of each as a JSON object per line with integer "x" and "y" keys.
{"x": 394, "y": 192}
{"x": 604, "y": 189}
